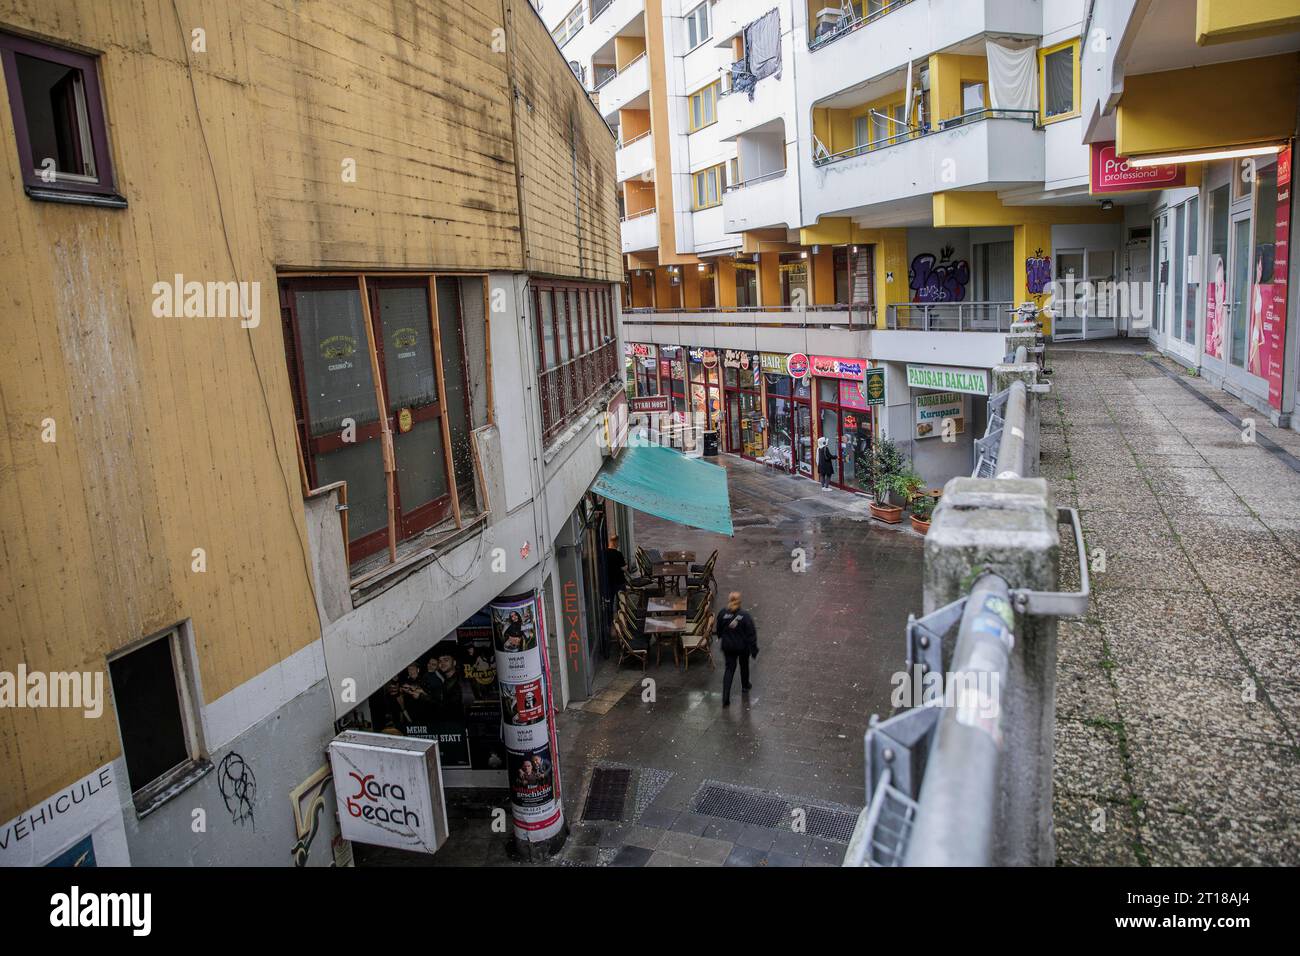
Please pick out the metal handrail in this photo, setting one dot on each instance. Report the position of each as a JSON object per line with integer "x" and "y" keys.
{"x": 850, "y": 24}
{"x": 638, "y": 215}
{"x": 623, "y": 144}
{"x": 937, "y": 316}
{"x": 766, "y": 177}
{"x": 919, "y": 132}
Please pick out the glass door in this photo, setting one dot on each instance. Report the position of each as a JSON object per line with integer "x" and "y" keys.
{"x": 1238, "y": 309}
{"x": 1099, "y": 312}
{"x": 1067, "y": 324}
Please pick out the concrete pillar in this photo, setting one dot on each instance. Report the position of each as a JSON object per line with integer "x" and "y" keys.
{"x": 1008, "y": 527}
{"x": 726, "y": 282}
{"x": 769, "y": 280}
{"x": 690, "y": 287}
{"x": 1030, "y": 241}
{"x": 528, "y": 724}
{"x": 1002, "y": 376}
{"x": 821, "y": 265}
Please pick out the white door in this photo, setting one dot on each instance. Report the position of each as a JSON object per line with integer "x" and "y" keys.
{"x": 1068, "y": 303}
{"x": 1137, "y": 318}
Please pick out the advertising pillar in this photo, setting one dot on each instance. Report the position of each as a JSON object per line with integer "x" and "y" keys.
{"x": 528, "y": 720}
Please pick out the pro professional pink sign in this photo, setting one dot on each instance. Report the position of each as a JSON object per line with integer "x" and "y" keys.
{"x": 1111, "y": 173}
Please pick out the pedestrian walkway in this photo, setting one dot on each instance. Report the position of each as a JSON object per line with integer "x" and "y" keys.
{"x": 777, "y": 778}
{"x": 1178, "y": 698}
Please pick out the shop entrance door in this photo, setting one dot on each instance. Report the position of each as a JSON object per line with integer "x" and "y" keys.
{"x": 1067, "y": 326}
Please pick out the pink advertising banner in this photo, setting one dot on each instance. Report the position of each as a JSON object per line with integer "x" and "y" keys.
{"x": 1273, "y": 296}
{"x": 826, "y": 366}
{"x": 1112, "y": 173}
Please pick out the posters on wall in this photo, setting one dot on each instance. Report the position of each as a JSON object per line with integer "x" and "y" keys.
{"x": 80, "y": 825}
{"x": 873, "y": 386}
{"x": 449, "y": 694}
{"x": 1271, "y": 294}
{"x": 527, "y": 720}
{"x": 1214, "y": 306}
{"x": 933, "y": 408}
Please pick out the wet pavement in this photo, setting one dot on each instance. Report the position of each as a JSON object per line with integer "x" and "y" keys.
{"x": 779, "y": 774}
{"x": 1178, "y": 698}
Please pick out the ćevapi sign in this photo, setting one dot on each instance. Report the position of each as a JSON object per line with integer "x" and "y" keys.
{"x": 945, "y": 378}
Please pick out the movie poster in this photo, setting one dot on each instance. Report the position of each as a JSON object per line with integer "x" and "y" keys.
{"x": 527, "y": 725}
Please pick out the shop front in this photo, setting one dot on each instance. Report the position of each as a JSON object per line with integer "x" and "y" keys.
{"x": 706, "y": 387}
{"x": 742, "y": 383}
{"x": 844, "y": 417}
{"x": 789, "y": 411}
{"x": 948, "y": 407}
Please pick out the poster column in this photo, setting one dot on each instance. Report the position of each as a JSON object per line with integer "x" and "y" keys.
{"x": 528, "y": 720}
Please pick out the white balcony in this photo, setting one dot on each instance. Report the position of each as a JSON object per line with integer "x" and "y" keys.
{"x": 635, "y": 157}
{"x": 762, "y": 202}
{"x": 991, "y": 153}
{"x": 623, "y": 90}
{"x": 732, "y": 16}
{"x": 738, "y": 114}
{"x": 640, "y": 231}
{"x": 906, "y": 30}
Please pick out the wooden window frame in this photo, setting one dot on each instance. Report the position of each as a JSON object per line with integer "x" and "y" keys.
{"x": 402, "y": 525}
{"x": 103, "y": 191}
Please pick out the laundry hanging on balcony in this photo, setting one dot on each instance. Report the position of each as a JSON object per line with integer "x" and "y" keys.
{"x": 762, "y": 53}
{"x": 1013, "y": 77}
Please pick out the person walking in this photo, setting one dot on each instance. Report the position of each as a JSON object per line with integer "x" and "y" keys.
{"x": 825, "y": 463}
{"x": 739, "y": 640}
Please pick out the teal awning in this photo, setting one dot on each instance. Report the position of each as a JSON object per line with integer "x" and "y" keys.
{"x": 667, "y": 484}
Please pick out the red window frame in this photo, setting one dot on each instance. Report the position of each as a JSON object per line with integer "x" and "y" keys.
{"x": 579, "y": 313}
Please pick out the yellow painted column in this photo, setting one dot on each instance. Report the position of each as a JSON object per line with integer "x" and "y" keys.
{"x": 726, "y": 282}
{"x": 822, "y": 266}
{"x": 665, "y": 293}
{"x": 945, "y": 88}
{"x": 690, "y": 287}
{"x": 891, "y": 272}
{"x": 769, "y": 279}
{"x": 1029, "y": 240}
{"x": 642, "y": 289}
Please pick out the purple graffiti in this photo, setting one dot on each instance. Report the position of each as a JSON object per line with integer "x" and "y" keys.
{"x": 1038, "y": 272}
{"x": 941, "y": 281}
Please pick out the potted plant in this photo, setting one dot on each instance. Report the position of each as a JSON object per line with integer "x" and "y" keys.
{"x": 891, "y": 480}
{"x": 922, "y": 509}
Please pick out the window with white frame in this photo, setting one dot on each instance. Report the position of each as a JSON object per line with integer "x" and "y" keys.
{"x": 698, "y": 28}
{"x": 569, "y": 26}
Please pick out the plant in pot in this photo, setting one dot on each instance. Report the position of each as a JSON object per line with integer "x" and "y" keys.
{"x": 891, "y": 480}
{"x": 922, "y": 508}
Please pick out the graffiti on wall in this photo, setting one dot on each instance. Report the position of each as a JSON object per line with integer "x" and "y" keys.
{"x": 938, "y": 280}
{"x": 238, "y": 788}
{"x": 1038, "y": 272}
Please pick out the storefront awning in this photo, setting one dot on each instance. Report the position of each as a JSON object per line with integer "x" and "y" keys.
{"x": 667, "y": 484}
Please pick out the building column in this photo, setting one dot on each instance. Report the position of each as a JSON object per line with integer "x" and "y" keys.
{"x": 822, "y": 267}
{"x": 690, "y": 287}
{"x": 769, "y": 280}
{"x": 665, "y": 292}
{"x": 891, "y": 272}
{"x": 528, "y": 723}
{"x": 726, "y": 282}
{"x": 1030, "y": 241}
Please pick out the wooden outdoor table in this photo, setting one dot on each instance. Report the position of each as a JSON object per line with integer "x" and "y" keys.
{"x": 666, "y": 629}
{"x": 670, "y": 569}
{"x": 666, "y": 605}
{"x": 674, "y": 556}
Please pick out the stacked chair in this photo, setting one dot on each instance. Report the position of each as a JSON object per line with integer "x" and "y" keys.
{"x": 628, "y": 624}
{"x": 702, "y": 574}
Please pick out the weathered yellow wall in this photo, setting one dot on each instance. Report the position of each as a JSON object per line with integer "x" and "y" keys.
{"x": 176, "y": 434}
{"x": 1229, "y": 21}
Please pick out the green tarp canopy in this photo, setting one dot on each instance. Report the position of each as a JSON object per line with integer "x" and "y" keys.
{"x": 667, "y": 484}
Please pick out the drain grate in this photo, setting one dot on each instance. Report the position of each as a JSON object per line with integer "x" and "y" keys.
{"x": 608, "y": 794}
{"x": 834, "y": 825}
{"x": 738, "y": 805}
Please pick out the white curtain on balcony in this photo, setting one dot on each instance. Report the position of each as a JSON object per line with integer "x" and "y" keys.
{"x": 1013, "y": 77}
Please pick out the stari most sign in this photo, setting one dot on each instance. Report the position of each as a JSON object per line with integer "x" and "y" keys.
{"x": 946, "y": 378}
{"x": 389, "y": 790}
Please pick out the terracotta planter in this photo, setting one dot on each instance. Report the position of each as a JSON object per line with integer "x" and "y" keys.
{"x": 890, "y": 514}
{"x": 919, "y": 526}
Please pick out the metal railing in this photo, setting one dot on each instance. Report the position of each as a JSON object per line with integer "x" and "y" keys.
{"x": 920, "y": 132}
{"x": 637, "y": 215}
{"x": 624, "y": 143}
{"x": 567, "y": 390}
{"x": 848, "y": 25}
{"x": 950, "y": 316}
{"x": 765, "y": 178}
{"x": 844, "y": 317}
{"x": 937, "y": 771}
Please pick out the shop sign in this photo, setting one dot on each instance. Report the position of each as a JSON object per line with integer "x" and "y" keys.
{"x": 933, "y": 408}
{"x": 1272, "y": 296}
{"x": 615, "y": 435}
{"x": 772, "y": 362}
{"x": 389, "y": 790}
{"x": 1113, "y": 174}
{"x": 973, "y": 381}
{"x": 651, "y": 404}
{"x": 797, "y": 365}
{"x": 825, "y": 366}
{"x": 734, "y": 358}
{"x": 710, "y": 358}
{"x": 79, "y": 825}
{"x": 640, "y": 351}
{"x": 873, "y": 386}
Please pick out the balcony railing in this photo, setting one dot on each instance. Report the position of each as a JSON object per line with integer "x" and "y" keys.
{"x": 637, "y": 215}
{"x": 848, "y": 25}
{"x": 765, "y": 178}
{"x": 908, "y": 135}
{"x": 951, "y": 316}
{"x": 851, "y": 317}
{"x": 624, "y": 143}
{"x": 568, "y": 389}
{"x": 596, "y": 8}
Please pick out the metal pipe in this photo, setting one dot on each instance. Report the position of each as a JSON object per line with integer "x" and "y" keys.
{"x": 957, "y": 816}
{"x": 1011, "y": 449}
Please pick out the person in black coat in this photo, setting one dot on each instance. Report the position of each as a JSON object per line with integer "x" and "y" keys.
{"x": 739, "y": 640}
{"x": 825, "y": 463}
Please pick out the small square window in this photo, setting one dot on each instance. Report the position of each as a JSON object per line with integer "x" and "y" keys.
{"x": 58, "y": 118}
{"x": 155, "y": 715}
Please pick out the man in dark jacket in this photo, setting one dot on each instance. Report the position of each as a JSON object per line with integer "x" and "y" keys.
{"x": 739, "y": 640}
